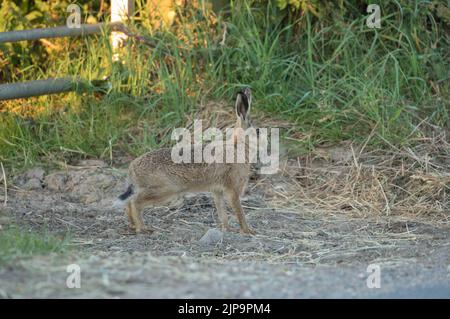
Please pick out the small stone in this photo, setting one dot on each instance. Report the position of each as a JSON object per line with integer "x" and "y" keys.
{"x": 91, "y": 198}
{"x": 211, "y": 237}
{"x": 56, "y": 181}
{"x": 32, "y": 184}
{"x": 5, "y": 220}
{"x": 30, "y": 179}
{"x": 35, "y": 173}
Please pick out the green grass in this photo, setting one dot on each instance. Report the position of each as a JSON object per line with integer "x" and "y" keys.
{"x": 333, "y": 79}
{"x": 16, "y": 243}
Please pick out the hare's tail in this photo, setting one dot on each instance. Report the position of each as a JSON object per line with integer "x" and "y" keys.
{"x": 128, "y": 193}
{"x": 122, "y": 199}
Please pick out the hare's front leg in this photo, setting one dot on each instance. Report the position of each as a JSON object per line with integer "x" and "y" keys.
{"x": 221, "y": 211}
{"x": 235, "y": 203}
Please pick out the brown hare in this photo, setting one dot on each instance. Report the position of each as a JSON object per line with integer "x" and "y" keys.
{"x": 154, "y": 178}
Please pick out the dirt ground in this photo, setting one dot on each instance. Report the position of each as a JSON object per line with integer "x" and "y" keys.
{"x": 298, "y": 251}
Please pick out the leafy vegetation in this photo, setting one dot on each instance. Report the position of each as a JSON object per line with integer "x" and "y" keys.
{"x": 314, "y": 64}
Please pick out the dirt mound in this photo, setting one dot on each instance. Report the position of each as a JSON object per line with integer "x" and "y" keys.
{"x": 94, "y": 184}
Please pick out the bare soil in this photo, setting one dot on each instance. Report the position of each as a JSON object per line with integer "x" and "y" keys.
{"x": 297, "y": 252}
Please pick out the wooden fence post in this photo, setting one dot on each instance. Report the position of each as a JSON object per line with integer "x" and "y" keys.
{"x": 121, "y": 11}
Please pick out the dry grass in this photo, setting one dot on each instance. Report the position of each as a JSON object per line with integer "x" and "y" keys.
{"x": 392, "y": 181}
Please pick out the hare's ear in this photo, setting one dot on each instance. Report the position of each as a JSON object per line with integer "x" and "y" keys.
{"x": 242, "y": 105}
{"x": 248, "y": 95}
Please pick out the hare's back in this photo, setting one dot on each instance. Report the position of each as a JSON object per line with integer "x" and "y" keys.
{"x": 159, "y": 166}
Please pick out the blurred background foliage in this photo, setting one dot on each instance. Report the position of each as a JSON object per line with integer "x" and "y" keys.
{"x": 312, "y": 63}
{"x": 420, "y": 18}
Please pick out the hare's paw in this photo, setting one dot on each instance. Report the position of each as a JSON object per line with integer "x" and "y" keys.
{"x": 145, "y": 230}
{"x": 127, "y": 230}
{"x": 248, "y": 231}
{"x": 226, "y": 228}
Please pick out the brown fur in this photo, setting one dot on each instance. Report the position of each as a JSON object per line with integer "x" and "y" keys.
{"x": 156, "y": 179}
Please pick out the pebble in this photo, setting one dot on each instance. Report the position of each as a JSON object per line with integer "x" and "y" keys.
{"x": 32, "y": 184}
{"x": 4, "y": 220}
{"x": 56, "y": 181}
{"x": 35, "y": 173}
{"x": 211, "y": 237}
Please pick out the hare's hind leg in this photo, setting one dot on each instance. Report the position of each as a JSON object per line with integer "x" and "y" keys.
{"x": 221, "y": 211}
{"x": 135, "y": 217}
{"x": 129, "y": 212}
{"x": 142, "y": 200}
{"x": 235, "y": 203}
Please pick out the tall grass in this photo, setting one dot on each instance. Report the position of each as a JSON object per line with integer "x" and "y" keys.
{"x": 332, "y": 79}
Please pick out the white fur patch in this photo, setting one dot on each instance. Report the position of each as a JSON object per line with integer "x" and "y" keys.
{"x": 118, "y": 203}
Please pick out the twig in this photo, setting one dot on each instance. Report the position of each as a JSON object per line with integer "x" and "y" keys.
{"x": 367, "y": 140}
{"x": 122, "y": 28}
{"x": 68, "y": 223}
{"x": 388, "y": 208}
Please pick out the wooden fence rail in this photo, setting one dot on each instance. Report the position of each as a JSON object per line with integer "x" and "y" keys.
{"x": 120, "y": 11}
